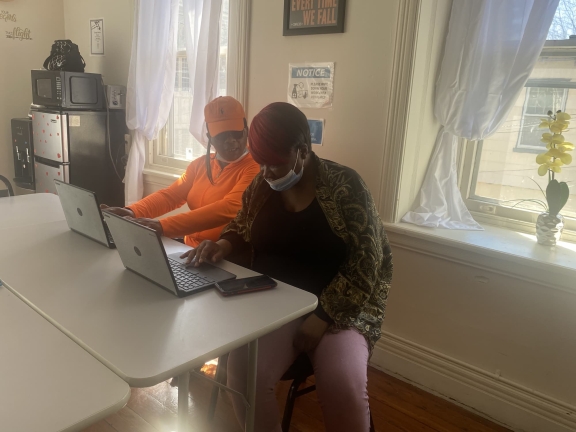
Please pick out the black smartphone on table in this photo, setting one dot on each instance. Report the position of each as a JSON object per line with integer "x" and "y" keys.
{"x": 245, "y": 285}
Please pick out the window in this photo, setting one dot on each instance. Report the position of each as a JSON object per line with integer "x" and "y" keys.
{"x": 537, "y": 102}
{"x": 501, "y": 170}
{"x": 176, "y": 146}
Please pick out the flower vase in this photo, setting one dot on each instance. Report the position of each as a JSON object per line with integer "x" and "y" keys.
{"x": 549, "y": 228}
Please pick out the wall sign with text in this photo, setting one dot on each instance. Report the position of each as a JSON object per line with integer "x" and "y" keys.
{"x": 19, "y": 34}
{"x": 15, "y": 33}
{"x": 311, "y": 85}
{"x": 7, "y": 16}
{"x": 97, "y": 37}
{"x": 306, "y": 17}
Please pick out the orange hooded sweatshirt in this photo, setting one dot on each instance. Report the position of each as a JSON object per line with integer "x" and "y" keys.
{"x": 211, "y": 206}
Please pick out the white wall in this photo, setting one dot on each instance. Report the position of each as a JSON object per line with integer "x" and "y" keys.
{"x": 45, "y": 19}
{"x": 476, "y": 328}
{"x": 118, "y": 17}
{"x": 354, "y": 133}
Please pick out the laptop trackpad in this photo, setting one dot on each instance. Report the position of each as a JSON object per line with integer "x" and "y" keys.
{"x": 205, "y": 270}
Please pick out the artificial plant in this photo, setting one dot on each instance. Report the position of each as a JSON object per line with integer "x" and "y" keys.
{"x": 556, "y": 156}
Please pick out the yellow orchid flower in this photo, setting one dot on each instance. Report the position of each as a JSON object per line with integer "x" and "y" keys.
{"x": 556, "y": 163}
{"x": 556, "y": 146}
{"x": 550, "y": 164}
{"x": 558, "y": 126}
{"x": 554, "y": 153}
{"x": 542, "y": 170}
{"x": 542, "y": 158}
{"x": 546, "y": 137}
{"x": 566, "y": 158}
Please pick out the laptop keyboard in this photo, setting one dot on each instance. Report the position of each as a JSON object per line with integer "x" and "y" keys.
{"x": 188, "y": 280}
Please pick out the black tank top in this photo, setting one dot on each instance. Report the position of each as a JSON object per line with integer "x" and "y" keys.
{"x": 298, "y": 248}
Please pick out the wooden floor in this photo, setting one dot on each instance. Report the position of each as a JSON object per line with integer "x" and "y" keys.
{"x": 395, "y": 406}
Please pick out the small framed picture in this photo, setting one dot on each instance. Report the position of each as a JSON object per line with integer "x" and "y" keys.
{"x": 308, "y": 17}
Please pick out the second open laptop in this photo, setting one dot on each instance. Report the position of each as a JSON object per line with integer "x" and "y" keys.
{"x": 83, "y": 213}
{"x": 142, "y": 251}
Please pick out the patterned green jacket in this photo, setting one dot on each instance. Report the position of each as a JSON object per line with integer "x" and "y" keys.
{"x": 356, "y": 297}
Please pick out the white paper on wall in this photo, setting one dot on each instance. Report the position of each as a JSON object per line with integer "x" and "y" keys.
{"x": 311, "y": 85}
{"x": 97, "y": 36}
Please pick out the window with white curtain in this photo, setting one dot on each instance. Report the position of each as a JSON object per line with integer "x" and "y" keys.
{"x": 498, "y": 172}
{"x": 176, "y": 146}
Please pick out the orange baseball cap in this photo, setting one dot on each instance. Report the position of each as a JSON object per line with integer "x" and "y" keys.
{"x": 224, "y": 114}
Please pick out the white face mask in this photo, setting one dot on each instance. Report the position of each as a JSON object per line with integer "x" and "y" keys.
{"x": 289, "y": 179}
{"x": 221, "y": 159}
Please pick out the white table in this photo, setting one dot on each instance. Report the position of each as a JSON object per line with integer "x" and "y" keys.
{"x": 47, "y": 382}
{"x": 30, "y": 209}
{"x": 141, "y": 332}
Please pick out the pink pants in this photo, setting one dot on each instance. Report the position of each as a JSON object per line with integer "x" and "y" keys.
{"x": 340, "y": 368}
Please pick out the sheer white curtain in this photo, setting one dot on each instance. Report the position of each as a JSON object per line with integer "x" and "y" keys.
{"x": 150, "y": 83}
{"x": 202, "y": 28}
{"x": 491, "y": 48}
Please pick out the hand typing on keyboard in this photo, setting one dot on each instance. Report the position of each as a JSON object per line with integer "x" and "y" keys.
{"x": 188, "y": 279}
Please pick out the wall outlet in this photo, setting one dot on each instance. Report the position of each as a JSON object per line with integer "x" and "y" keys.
{"x": 116, "y": 95}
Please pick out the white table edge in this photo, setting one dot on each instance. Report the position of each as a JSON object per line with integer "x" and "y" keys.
{"x": 102, "y": 414}
{"x": 142, "y": 382}
{"x": 150, "y": 381}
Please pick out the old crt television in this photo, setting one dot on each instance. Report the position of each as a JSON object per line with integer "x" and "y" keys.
{"x": 68, "y": 90}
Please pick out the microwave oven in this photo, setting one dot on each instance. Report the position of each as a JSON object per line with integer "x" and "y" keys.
{"x": 68, "y": 90}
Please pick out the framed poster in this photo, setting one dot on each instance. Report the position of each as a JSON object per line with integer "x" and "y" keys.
{"x": 97, "y": 37}
{"x": 307, "y": 17}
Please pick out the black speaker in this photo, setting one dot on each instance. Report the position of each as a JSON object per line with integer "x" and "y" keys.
{"x": 23, "y": 153}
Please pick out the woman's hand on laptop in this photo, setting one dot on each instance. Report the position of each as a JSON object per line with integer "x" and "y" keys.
{"x": 208, "y": 251}
{"x": 120, "y": 211}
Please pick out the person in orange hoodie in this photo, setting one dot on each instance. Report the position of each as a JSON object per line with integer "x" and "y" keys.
{"x": 212, "y": 185}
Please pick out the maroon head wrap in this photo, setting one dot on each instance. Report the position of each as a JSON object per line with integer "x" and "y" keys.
{"x": 275, "y": 131}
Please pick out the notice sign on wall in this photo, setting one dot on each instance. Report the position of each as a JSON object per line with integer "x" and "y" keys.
{"x": 311, "y": 85}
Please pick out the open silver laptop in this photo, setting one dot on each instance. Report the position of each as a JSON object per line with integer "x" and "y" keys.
{"x": 83, "y": 213}
{"x": 142, "y": 251}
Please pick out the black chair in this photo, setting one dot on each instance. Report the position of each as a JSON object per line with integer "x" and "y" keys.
{"x": 6, "y": 192}
{"x": 298, "y": 373}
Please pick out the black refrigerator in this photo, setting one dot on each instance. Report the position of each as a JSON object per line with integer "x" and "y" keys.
{"x": 73, "y": 146}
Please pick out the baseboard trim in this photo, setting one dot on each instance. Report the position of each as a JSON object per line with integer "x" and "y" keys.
{"x": 489, "y": 395}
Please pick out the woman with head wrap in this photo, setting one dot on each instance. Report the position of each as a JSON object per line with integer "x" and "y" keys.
{"x": 313, "y": 224}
